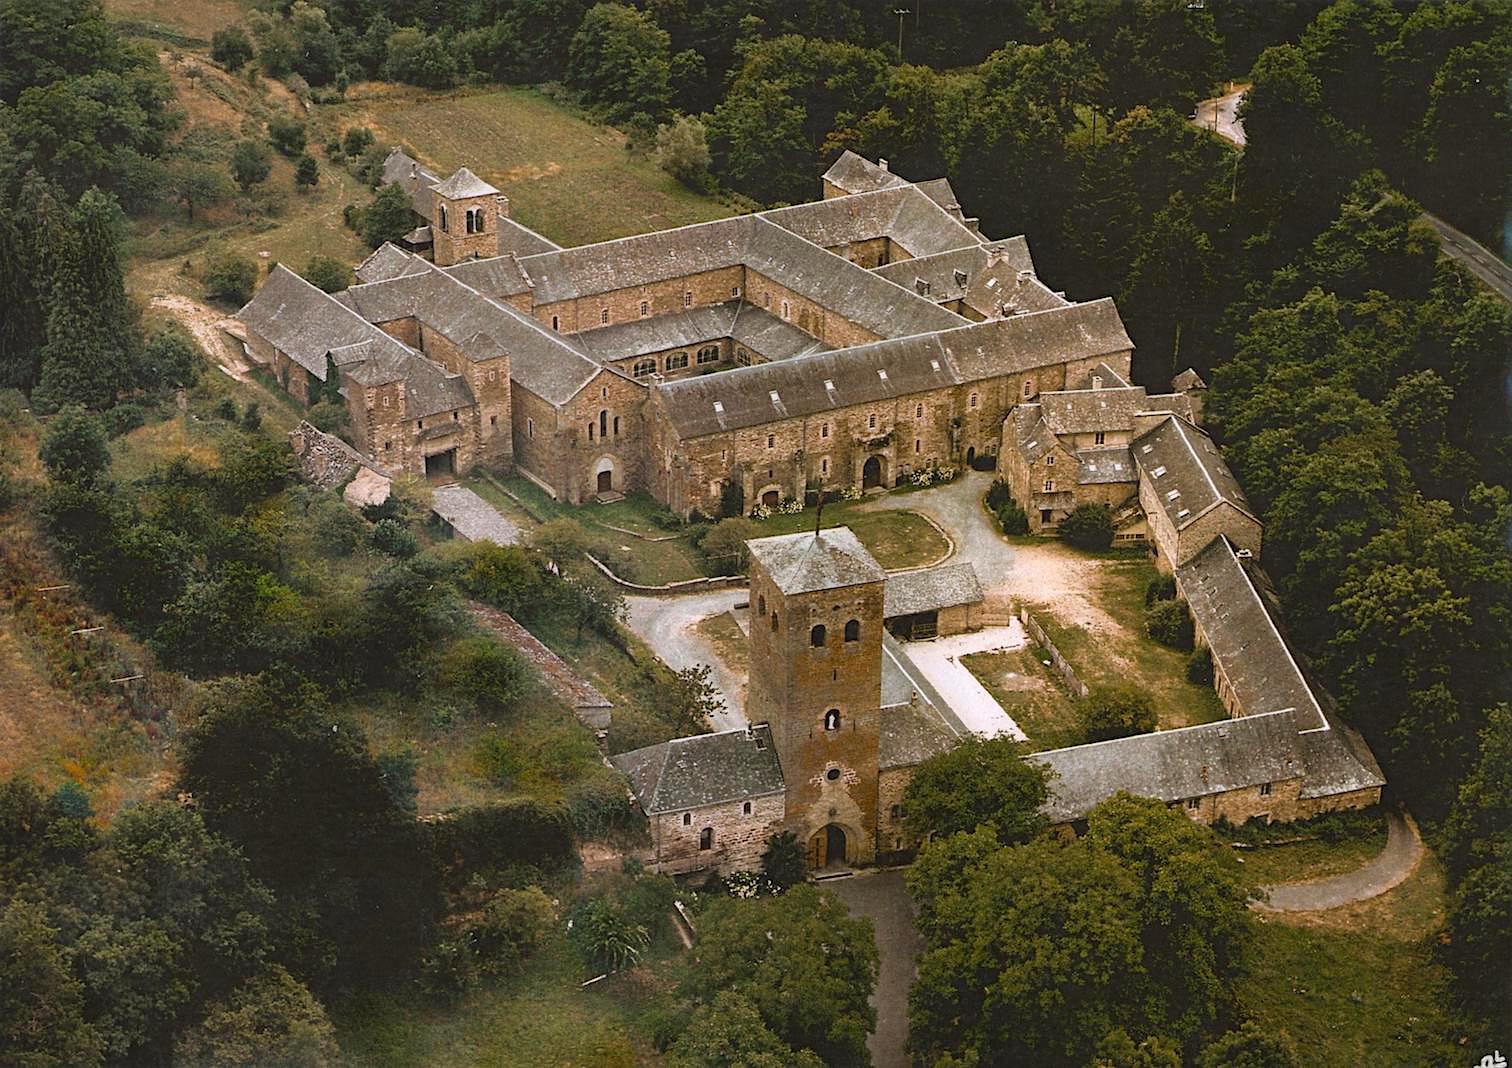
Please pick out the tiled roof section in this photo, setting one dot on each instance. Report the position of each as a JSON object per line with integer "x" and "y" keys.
{"x": 1212, "y": 758}
{"x": 1085, "y": 411}
{"x": 1001, "y": 290}
{"x": 1338, "y": 762}
{"x": 1244, "y": 636}
{"x": 857, "y": 174}
{"x": 806, "y": 562}
{"x": 945, "y": 275}
{"x": 942, "y": 193}
{"x": 1098, "y": 467}
{"x": 540, "y": 360}
{"x": 386, "y": 261}
{"x": 1039, "y": 339}
{"x": 1190, "y": 466}
{"x": 1175, "y": 403}
{"x": 903, "y": 215}
{"x": 910, "y": 734}
{"x": 464, "y": 183}
{"x": 1108, "y": 378}
{"x": 806, "y": 385}
{"x": 517, "y": 239}
{"x": 399, "y": 169}
{"x": 705, "y": 769}
{"x": 1188, "y": 379}
{"x": 304, "y": 323}
{"x": 497, "y": 276}
{"x": 930, "y": 590}
{"x": 752, "y": 327}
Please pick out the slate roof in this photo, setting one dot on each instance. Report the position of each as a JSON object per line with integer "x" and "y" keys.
{"x": 1003, "y": 289}
{"x": 857, "y": 174}
{"x": 1244, "y": 636}
{"x": 758, "y": 330}
{"x": 517, "y": 239}
{"x": 464, "y": 183}
{"x": 498, "y": 276}
{"x": 1188, "y": 379}
{"x": 1105, "y": 466}
{"x": 1038, "y": 339}
{"x": 931, "y": 589}
{"x": 304, "y": 323}
{"x": 386, "y": 261}
{"x": 910, "y": 734}
{"x": 1338, "y": 761}
{"x": 705, "y": 769}
{"x": 903, "y": 214}
{"x": 1032, "y": 433}
{"x": 399, "y": 169}
{"x": 1190, "y": 465}
{"x": 1111, "y": 379}
{"x": 806, "y": 562}
{"x": 1172, "y": 765}
{"x": 1084, "y": 411}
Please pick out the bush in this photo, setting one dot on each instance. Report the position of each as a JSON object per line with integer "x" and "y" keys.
{"x": 356, "y": 140}
{"x": 984, "y": 461}
{"x": 998, "y": 494}
{"x": 513, "y": 926}
{"x": 1170, "y": 624}
{"x": 605, "y": 936}
{"x": 123, "y": 419}
{"x": 1088, "y": 527}
{"x": 327, "y": 274}
{"x": 250, "y": 163}
{"x": 251, "y": 419}
{"x": 287, "y": 134}
{"x": 1199, "y": 669}
{"x": 231, "y": 48}
{"x": 497, "y": 834}
{"x": 330, "y": 417}
{"x": 1013, "y": 519}
{"x": 724, "y": 546}
{"x": 682, "y": 149}
{"x": 448, "y": 971}
{"x": 1116, "y": 714}
{"x": 494, "y": 676}
{"x": 306, "y": 172}
{"x": 74, "y": 447}
{"x": 1160, "y": 588}
{"x": 783, "y": 862}
{"x": 171, "y": 358}
{"x": 393, "y": 538}
{"x": 225, "y": 409}
{"x": 230, "y": 277}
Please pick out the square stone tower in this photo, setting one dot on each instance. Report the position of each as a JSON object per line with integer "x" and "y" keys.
{"x": 465, "y": 214}
{"x": 816, "y": 678}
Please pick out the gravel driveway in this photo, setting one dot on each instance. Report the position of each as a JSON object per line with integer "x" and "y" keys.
{"x": 939, "y": 661}
{"x": 666, "y": 625}
{"x": 1394, "y": 864}
{"x": 882, "y": 897}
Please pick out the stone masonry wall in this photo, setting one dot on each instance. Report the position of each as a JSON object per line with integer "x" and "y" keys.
{"x": 739, "y": 838}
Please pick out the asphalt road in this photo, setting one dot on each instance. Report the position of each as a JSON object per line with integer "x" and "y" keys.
{"x": 882, "y": 897}
{"x": 1477, "y": 258}
{"x": 1221, "y": 115}
{"x": 1395, "y": 862}
{"x": 666, "y": 625}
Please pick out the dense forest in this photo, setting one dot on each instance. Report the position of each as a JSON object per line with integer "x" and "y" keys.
{"x": 1360, "y": 389}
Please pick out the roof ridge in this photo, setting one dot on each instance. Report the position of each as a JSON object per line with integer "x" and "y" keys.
{"x": 1259, "y": 717}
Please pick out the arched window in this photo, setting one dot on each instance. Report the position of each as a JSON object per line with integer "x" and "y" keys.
{"x": 1028, "y": 389}
{"x": 745, "y": 809}
{"x": 824, "y": 431}
{"x": 603, "y": 315}
{"x": 708, "y": 354}
{"x": 443, "y": 218}
{"x": 677, "y": 361}
{"x": 761, "y": 605}
{"x": 590, "y": 431}
{"x": 853, "y": 630}
{"x": 832, "y": 720}
{"x": 643, "y": 368}
{"x": 774, "y": 622}
{"x": 816, "y": 636}
{"x": 604, "y": 423}
{"x": 616, "y": 426}
{"x": 645, "y": 309}
{"x": 480, "y": 220}
{"x": 706, "y": 838}
{"x": 687, "y": 819}
{"x": 467, "y": 221}
{"x": 556, "y": 322}
{"x": 871, "y": 422}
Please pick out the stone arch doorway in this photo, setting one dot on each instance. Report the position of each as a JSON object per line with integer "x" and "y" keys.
{"x": 971, "y": 456}
{"x": 871, "y": 472}
{"x": 771, "y": 498}
{"x": 605, "y": 481}
{"x": 828, "y": 847}
{"x": 604, "y": 475}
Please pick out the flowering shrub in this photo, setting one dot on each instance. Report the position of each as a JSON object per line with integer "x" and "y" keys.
{"x": 945, "y": 474}
{"x": 921, "y": 478}
{"x": 851, "y": 493}
{"x": 761, "y": 511}
{"x": 791, "y": 506}
{"x": 748, "y": 884}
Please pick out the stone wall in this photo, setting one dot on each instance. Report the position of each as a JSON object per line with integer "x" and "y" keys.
{"x": 325, "y": 460}
{"x": 660, "y": 298}
{"x": 1062, "y": 665}
{"x": 740, "y": 837}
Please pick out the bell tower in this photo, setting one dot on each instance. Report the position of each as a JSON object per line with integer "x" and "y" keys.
{"x": 465, "y": 214}
{"x": 816, "y": 678}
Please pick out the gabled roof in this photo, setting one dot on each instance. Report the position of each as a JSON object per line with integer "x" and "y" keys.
{"x": 464, "y": 183}
{"x": 805, "y": 562}
{"x": 910, "y": 734}
{"x": 1085, "y": 411}
{"x": 1244, "y": 636}
{"x": 1061, "y": 334}
{"x": 1186, "y": 471}
{"x": 305, "y": 324}
{"x": 1002, "y": 290}
{"x": 903, "y": 215}
{"x": 1188, "y": 379}
{"x": 399, "y": 169}
{"x": 757, "y": 330}
{"x": 1105, "y": 466}
{"x": 1211, "y": 758}
{"x": 705, "y": 769}
{"x": 1108, "y": 378}
{"x": 517, "y": 239}
{"x": 930, "y": 589}
{"x": 857, "y": 174}
{"x": 386, "y": 261}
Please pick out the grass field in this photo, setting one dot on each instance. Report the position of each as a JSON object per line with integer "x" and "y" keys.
{"x": 566, "y": 177}
{"x": 1130, "y": 657}
{"x": 898, "y": 539}
{"x": 1031, "y": 693}
{"x": 196, "y": 18}
{"x": 1295, "y": 861}
{"x": 1357, "y": 985}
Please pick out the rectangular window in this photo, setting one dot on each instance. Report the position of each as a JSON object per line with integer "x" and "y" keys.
{"x": 918, "y": 446}
{"x": 771, "y": 441}
{"x": 1049, "y": 485}
{"x": 895, "y": 811}
{"x": 645, "y": 309}
{"x": 1050, "y": 460}
{"x": 824, "y": 467}
{"x": 386, "y": 400}
{"x": 1194, "y": 802}
{"x": 603, "y": 315}
{"x": 688, "y": 299}
{"x": 493, "y": 420}
{"x": 1099, "y": 438}
{"x": 1265, "y": 789}
{"x": 1044, "y": 515}
{"x": 787, "y": 312}
{"x": 871, "y": 422}
{"x": 530, "y": 428}
{"x": 824, "y": 431}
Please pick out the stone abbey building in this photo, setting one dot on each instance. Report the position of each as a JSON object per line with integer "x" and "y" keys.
{"x": 841, "y": 343}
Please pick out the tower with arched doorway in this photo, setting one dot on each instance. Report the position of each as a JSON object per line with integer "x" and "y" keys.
{"x": 816, "y": 677}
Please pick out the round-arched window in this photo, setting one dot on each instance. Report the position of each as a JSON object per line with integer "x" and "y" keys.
{"x": 816, "y": 635}
{"x": 643, "y": 368}
{"x": 832, "y": 720}
{"x": 832, "y": 774}
{"x": 853, "y": 630}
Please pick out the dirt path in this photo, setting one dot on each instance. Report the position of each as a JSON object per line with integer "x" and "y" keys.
{"x": 1397, "y": 861}
{"x": 204, "y": 322}
{"x": 883, "y": 898}
{"x": 668, "y": 626}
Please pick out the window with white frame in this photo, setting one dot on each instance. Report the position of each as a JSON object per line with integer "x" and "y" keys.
{"x": 643, "y": 368}
{"x": 677, "y": 361}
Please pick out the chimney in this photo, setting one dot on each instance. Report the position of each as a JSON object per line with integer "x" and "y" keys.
{"x": 1024, "y": 276}
{"x": 882, "y": 163}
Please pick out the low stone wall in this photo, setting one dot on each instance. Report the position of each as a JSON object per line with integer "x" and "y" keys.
{"x": 1074, "y": 684}
{"x": 717, "y": 582}
{"x": 324, "y": 459}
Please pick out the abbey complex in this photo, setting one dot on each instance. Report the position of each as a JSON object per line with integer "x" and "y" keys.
{"x": 838, "y": 345}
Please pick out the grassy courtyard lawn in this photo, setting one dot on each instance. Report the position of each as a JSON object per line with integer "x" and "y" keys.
{"x": 1031, "y": 693}
{"x": 1314, "y": 858}
{"x": 539, "y": 1017}
{"x": 1356, "y": 985}
{"x": 897, "y": 538}
{"x": 1129, "y": 657}
{"x": 566, "y": 177}
{"x": 729, "y": 641}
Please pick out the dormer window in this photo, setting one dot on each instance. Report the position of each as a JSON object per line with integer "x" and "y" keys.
{"x": 829, "y": 385}
{"x": 1159, "y": 470}
{"x": 934, "y": 365}
{"x": 960, "y": 277}
{"x": 1173, "y": 495}
{"x": 882, "y": 374}
{"x": 921, "y": 286}
{"x": 718, "y": 408}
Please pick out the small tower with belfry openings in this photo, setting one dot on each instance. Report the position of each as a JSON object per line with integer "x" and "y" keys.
{"x": 465, "y": 214}
{"x": 815, "y": 677}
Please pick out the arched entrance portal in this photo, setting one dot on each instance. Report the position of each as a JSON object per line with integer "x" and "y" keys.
{"x": 871, "y": 472}
{"x": 971, "y": 456}
{"x": 827, "y": 847}
{"x": 605, "y": 481}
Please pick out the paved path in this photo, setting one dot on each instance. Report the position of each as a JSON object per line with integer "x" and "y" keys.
{"x": 882, "y": 897}
{"x": 1394, "y": 864}
{"x": 957, "y": 507}
{"x": 939, "y": 661}
{"x": 1221, "y": 115}
{"x": 666, "y": 625}
{"x": 472, "y": 517}
{"x": 1476, "y": 258}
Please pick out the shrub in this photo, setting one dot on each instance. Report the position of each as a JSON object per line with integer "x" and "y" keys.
{"x": 74, "y": 448}
{"x": 170, "y": 358}
{"x": 500, "y": 833}
{"x": 1013, "y": 519}
{"x": 1160, "y": 588}
{"x": 448, "y": 970}
{"x": 724, "y": 546}
{"x": 356, "y": 140}
{"x": 998, "y": 494}
{"x": 225, "y": 409}
{"x": 1170, "y": 624}
{"x": 605, "y": 936}
{"x": 393, "y": 538}
{"x": 251, "y": 419}
{"x": 231, "y": 48}
{"x": 1116, "y": 713}
{"x": 230, "y": 277}
{"x": 330, "y": 417}
{"x": 328, "y": 274}
{"x": 250, "y": 163}
{"x": 1199, "y": 669}
{"x": 287, "y": 134}
{"x": 123, "y": 419}
{"x": 783, "y": 863}
{"x": 494, "y": 676}
{"x": 306, "y": 172}
{"x": 513, "y": 926}
{"x": 1088, "y": 527}
{"x": 682, "y": 149}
